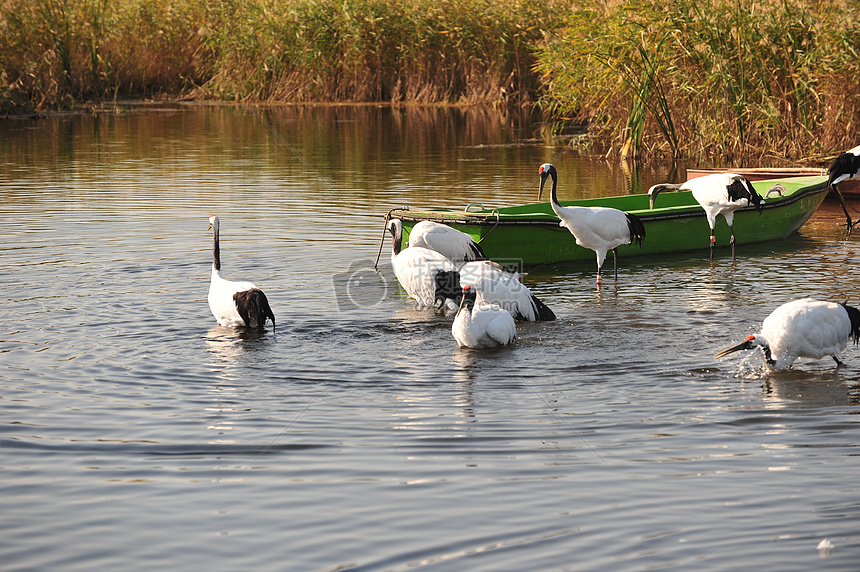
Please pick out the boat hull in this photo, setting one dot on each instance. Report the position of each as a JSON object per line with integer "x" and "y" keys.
{"x": 530, "y": 234}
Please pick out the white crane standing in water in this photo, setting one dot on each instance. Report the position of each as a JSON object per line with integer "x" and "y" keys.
{"x": 718, "y": 194}
{"x": 846, "y": 166}
{"x": 480, "y": 325}
{"x": 235, "y": 303}
{"x": 599, "y": 228}
{"x": 803, "y": 328}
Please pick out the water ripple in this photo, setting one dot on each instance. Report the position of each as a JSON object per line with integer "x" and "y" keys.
{"x": 358, "y": 435}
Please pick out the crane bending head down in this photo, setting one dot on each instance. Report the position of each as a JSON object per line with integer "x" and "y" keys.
{"x": 803, "y": 328}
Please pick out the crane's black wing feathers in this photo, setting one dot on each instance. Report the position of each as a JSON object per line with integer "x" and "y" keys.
{"x": 253, "y": 308}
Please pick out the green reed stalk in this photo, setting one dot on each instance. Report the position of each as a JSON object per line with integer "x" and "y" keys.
{"x": 732, "y": 81}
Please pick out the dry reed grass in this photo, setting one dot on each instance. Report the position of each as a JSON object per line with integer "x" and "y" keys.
{"x": 730, "y": 81}
{"x": 54, "y": 53}
{"x": 726, "y": 80}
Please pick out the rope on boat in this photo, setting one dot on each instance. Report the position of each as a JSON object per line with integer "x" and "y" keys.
{"x": 498, "y": 218}
{"x": 384, "y": 230}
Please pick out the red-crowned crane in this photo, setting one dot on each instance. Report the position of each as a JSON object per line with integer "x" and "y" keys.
{"x": 599, "y": 228}
{"x": 235, "y": 303}
{"x": 479, "y": 325}
{"x": 718, "y": 194}
{"x": 427, "y": 276}
{"x": 456, "y": 246}
{"x": 846, "y": 166}
{"x": 803, "y": 328}
{"x": 494, "y": 285}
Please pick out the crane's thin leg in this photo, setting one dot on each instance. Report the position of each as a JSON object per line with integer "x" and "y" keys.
{"x": 713, "y": 245}
{"x": 732, "y": 241}
{"x": 838, "y": 361}
{"x": 599, "y": 263}
{"x": 615, "y": 261}
{"x": 849, "y": 225}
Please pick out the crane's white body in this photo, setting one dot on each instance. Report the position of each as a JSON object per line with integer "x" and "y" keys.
{"x": 478, "y": 325}
{"x": 711, "y": 192}
{"x": 470, "y": 272}
{"x": 221, "y": 300}
{"x": 804, "y": 328}
{"x": 496, "y": 286}
{"x": 456, "y": 246}
{"x": 600, "y": 229}
{"x": 416, "y": 268}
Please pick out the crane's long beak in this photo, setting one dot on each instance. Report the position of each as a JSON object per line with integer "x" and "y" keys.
{"x": 542, "y": 181}
{"x": 747, "y": 344}
{"x": 465, "y": 290}
{"x": 460, "y": 307}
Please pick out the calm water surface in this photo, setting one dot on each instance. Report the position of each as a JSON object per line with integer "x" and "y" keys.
{"x": 137, "y": 434}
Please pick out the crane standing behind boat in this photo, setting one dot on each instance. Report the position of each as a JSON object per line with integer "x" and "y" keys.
{"x": 718, "y": 194}
{"x": 846, "y": 166}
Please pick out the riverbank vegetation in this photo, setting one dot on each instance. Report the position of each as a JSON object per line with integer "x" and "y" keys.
{"x": 760, "y": 79}
{"x": 56, "y": 52}
{"x": 730, "y": 80}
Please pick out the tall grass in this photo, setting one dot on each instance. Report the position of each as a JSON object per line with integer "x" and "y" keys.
{"x": 471, "y": 51}
{"x": 54, "y": 53}
{"x": 726, "y": 79}
{"x": 57, "y": 52}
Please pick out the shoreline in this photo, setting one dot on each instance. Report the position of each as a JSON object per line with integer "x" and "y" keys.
{"x": 178, "y": 102}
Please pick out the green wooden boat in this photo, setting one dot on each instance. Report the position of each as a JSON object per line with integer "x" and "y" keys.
{"x": 529, "y": 234}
